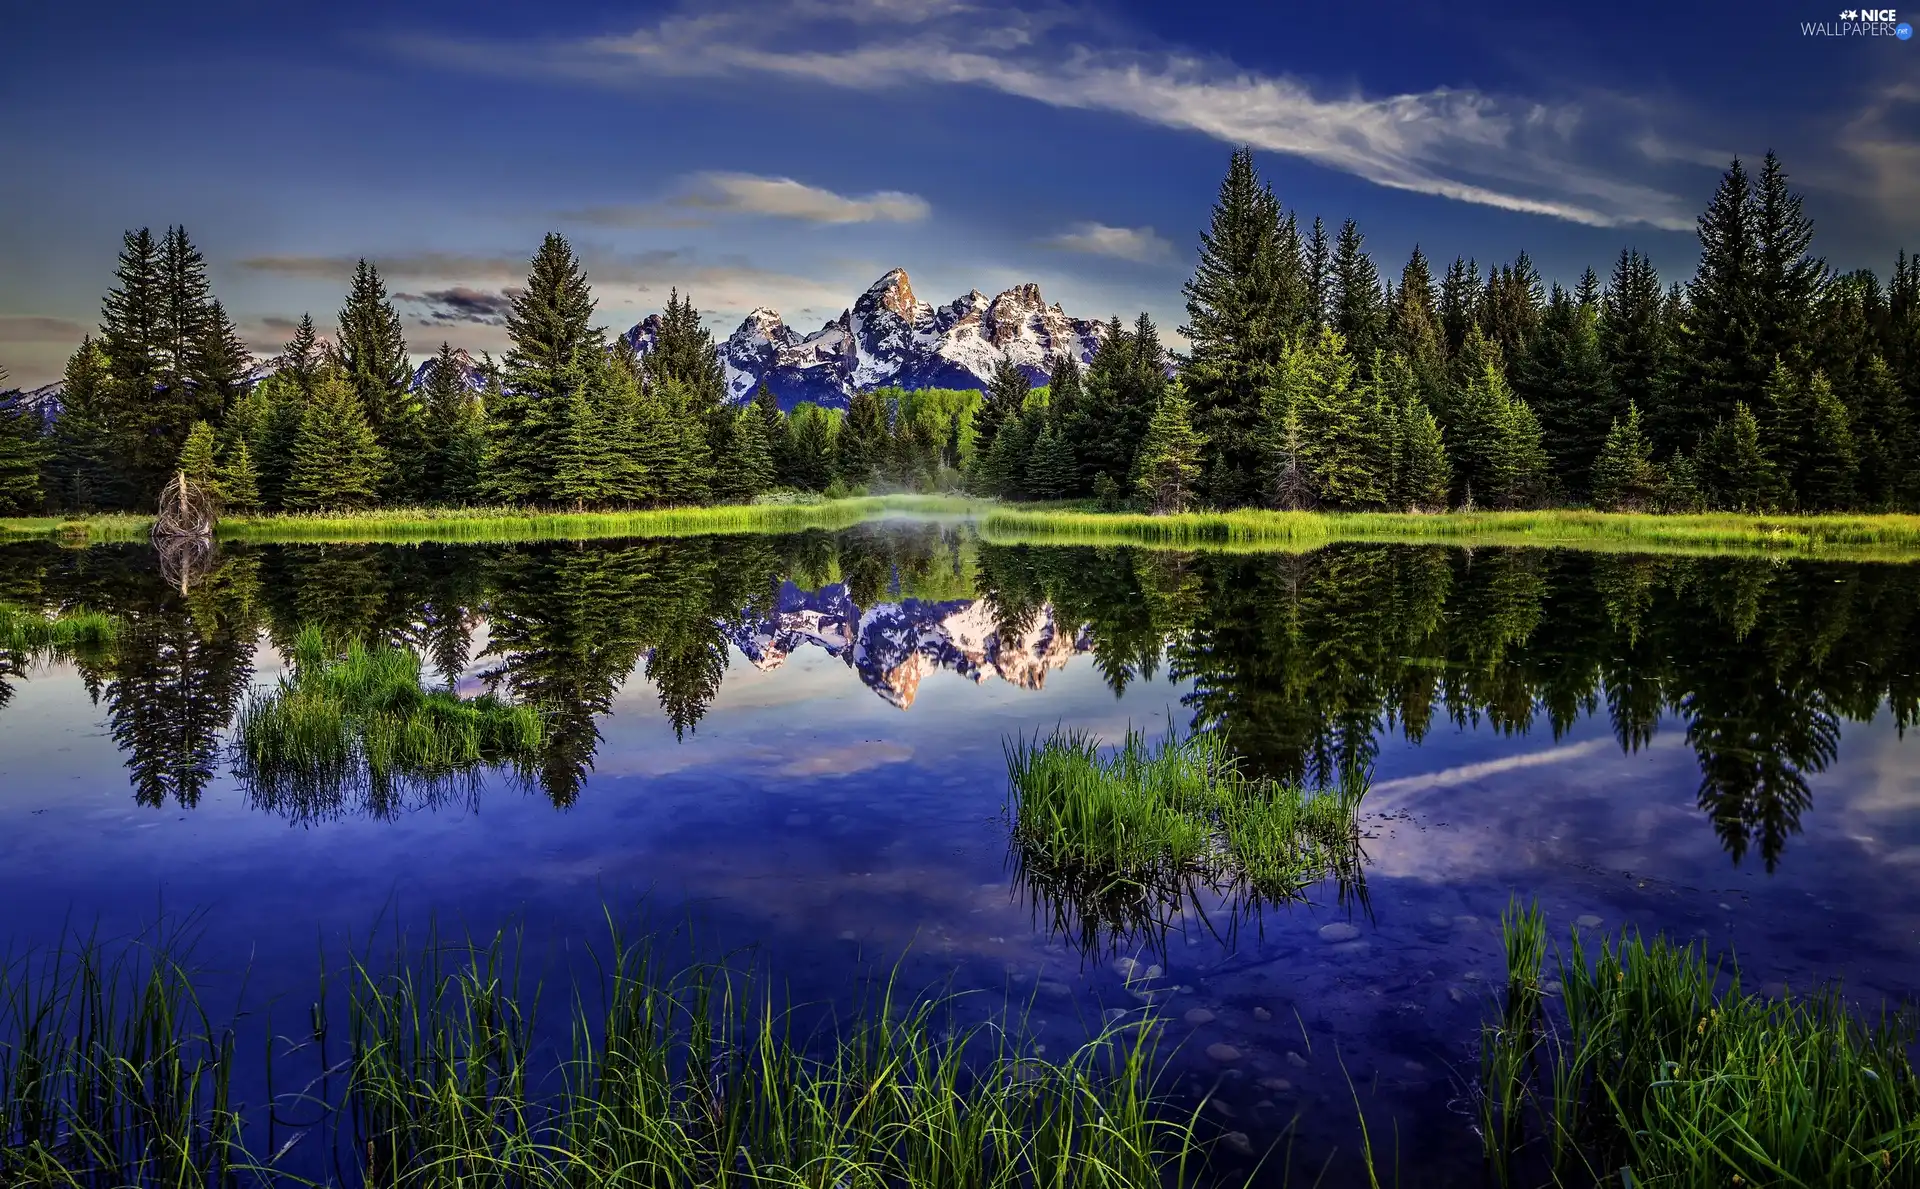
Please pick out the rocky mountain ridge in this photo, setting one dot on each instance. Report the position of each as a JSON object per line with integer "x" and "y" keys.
{"x": 888, "y": 336}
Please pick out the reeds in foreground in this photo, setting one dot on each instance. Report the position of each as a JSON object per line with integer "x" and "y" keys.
{"x": 1656, "y": 1069}
{"x": 1119, "y": 836}
{"x": 109, "y": 1075}
{"x": 361, "y": 718}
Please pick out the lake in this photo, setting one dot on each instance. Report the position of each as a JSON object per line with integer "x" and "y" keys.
{"x": 796, "y": 743}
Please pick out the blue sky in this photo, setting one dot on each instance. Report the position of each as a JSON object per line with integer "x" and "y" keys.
{"x": 788, "y": 153}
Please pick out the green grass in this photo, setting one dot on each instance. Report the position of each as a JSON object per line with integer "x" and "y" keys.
{"x": 1657, "y": 1062}
{"x": 1849, "y": 537}
{"x": 112, "y": 1074}
{"x": 30, "y": 631}
{"x": 360, "y": 718}
{"x": 1865, "y": 538}
{"x": 1114, "y": 841}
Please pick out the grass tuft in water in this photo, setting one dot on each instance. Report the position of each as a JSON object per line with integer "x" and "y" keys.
{"x": 361, "y": 717}
{"x": 1121, "y": 837}
{"x": 28, "y": 630}
{"x": 1657, "y": 1069}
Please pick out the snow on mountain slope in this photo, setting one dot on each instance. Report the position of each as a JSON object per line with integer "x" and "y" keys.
{"x": 894, "y": 646}
{"x": 889, "y": 336}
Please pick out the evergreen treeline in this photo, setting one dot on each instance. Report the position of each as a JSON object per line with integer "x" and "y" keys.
{"x": 1767, "y": 382}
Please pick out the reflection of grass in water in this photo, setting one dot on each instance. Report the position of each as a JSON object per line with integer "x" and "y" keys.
{"x": 1120, "y": 841}
{"x": 111, "y": 1074}
{"x": 361, "y": 718}
{"x": 1865, "y": 538}
{"x": 1657, "y": 1061}
{"x": 30, "y": 631}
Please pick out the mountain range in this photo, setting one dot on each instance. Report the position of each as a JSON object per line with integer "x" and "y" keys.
{"x": 886, "y": 337}
{"x": 893, "y": 646}
{"x": 890, "y": 337}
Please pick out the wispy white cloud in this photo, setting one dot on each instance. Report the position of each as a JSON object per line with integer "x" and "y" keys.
{"x": 705, "y": 195}
{"x": 1886, "y": 154}
{"x": 1140, "y": 244}
{"x": 1462, "y": 144}
{"x": 749, "y": 194}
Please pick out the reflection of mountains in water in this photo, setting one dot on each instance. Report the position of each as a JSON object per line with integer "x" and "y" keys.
{"x": 894, "y": 646}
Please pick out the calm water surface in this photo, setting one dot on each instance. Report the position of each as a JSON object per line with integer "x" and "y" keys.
{"x": 796, "y": 743}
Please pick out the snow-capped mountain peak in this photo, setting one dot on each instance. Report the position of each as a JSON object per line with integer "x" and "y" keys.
{"x": 889, "y": 336}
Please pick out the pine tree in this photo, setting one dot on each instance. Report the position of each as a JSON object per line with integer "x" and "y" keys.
{"x": 131, "y": 335}
{"x": 1003, "y": 468}
{"x": 1511, "y": 305}
{"x": 1723, "y": 364}
{"x": 1498, "y": 453}
{"x": 1169, "y": 455}
{"x": 372, "y": 352}
{"x": 1004, "y": 404}
{"x": 683, "y": 352}
{"x": 21, "y": 456}
{"x": 774, "y": 431}
{"x": 1633, "y": 339}
{"x": 1680, "y": 492}
{"x": 1359, "y": 314}
{"x": 555, "y": 355}
{"x": 1285, "y": 478}
{"x": 197, "y": 460}
{"x": 337, "y": 461}
{"x": 451, "y": 416}
{"x": 303, "y": 356}
{"x": 239, "y": 480}
{"x": 1829, "y": 482}
{"x": 1245, "y": 299}
{"x": 1886, "y": 438}
{"x": 861, "y": 447}
{"x": 1563, "y": 378}
{"x": 1786, "y": 280}
{"x": 584, "y": 453}
{"x": 1413, "y": 325}
{"x": 1459, "y": 296}
{"x": 812, "y": 448}
{"x": 1319, "y": 267}
{"x": 1734, "y": 468}
{"x": 1340, "y": 433}
{"x": 1625, "y": 478}
{"x": 82, "y": 470}
{"x": 1422, "y": 474}
{"x": 1051, "y": 473}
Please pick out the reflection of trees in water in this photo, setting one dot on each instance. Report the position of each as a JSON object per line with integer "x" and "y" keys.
{"x": 1304, "y": 661}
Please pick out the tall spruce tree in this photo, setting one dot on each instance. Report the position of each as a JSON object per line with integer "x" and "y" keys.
{"x": 1625, "y": 478}
{"x": 1169, "y": 463}
{"x": 860, "y": 450}
{"x": 372, "y": 355}
{"x": 1319, "y": 270}
{"x": 1563, "y": 378}
{"x": 555, "y": 356}
{"x": 239, "y": 479}
{"x": 83, "y": 472}
{"x": 1829, "y": 481}
{"x": 684, "y": 353}
{"x": 1051, "y": 473}
{"x": 20, "y": 456}
{"x": 1459, "y": 298}
{"x": 812, "y": 457}
{"x": 773, "y": 428}
{"x": 337, "y": 461}
{"x": 1785, "y": 418}
{"x": 1787, "y": 279}
{"x": 1511, "y": 305}
{"x": 1004, "y": 405}
{"x": 1413, "y": 325}
{"x": 1720, "y": 332}
{"x": 1885, "y": 433}
{"x": 1633, "y": 338}
{"x": 455, "y": 435}
{"x": 1498, "y": 456}
{"x": 1734, "y": 467}
{"x": 1245, "y": 299}
{"x": 1359, "y": 310}
{"x": 197, "y": 462}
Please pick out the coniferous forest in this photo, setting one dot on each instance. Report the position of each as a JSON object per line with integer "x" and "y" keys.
{"x": 1767, "y": 382}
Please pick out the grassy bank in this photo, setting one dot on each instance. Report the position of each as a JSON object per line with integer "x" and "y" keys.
{"x": 1887, "y": 537}
{"x": 31, "y": 631}
{"x": 496, "y": 524}
{"x": 1864, "y": 538}
{"x": 1651, "y": 1066}
{"x": 113, "y": 1072}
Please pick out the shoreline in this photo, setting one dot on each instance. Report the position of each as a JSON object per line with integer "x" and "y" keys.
{"x": 1879, "y": 537}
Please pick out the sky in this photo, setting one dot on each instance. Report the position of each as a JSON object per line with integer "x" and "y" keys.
{"x": 786, "y": 154}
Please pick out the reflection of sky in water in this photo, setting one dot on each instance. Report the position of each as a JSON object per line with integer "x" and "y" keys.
{"x": 807, "y": 814}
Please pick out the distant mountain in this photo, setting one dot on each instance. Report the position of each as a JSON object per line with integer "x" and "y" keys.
{"x": 894, "y": 646}
{"x": 469, "y": 369}
{"x": 888, "y": 337}
{"x": 44, "y": 400}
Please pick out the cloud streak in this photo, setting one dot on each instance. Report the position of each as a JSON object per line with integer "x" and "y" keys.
{"x": 1141, "y": 245}
{"x": 707, "y": 195}
{"x": 28, "y": 328}
{"x": 1461, "y": 144}
{"x": 461, "y": 304}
